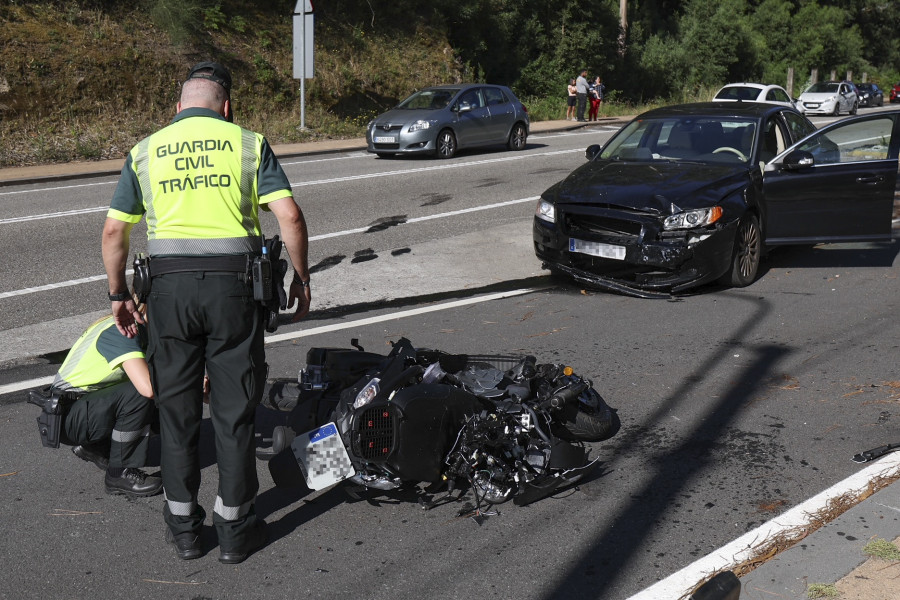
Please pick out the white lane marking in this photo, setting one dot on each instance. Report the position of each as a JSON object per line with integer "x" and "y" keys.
{"x": 272, "y": 339}
{"x": 679, "y": 584}
{"x": 65, "y": 213}
{"x": 57, "y": 188}
{"x": 69, "y": 213}
{"x": 52, "y": 286}
{"x": 440, "y": 167}
{"x": 453, "y": 213}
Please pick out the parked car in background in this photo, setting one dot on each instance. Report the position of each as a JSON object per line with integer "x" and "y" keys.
{"x": 443, "y": 119}
{"x": 870, "y": 94}
{"x": 688, "y": 194}
{"x": 895, "y": 93}
{"x": 829, "y": 98}
{"x": 755, "y": 92}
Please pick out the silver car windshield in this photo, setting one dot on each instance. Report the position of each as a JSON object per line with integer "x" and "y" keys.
{"x": 693, "y": 139}
{"x": 429, "y": 99}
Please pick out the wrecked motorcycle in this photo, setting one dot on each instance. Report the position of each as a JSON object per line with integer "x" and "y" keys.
{"x": 502, "y": 426}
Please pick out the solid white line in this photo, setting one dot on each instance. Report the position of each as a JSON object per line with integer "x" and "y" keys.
{"x": 679, "y": 584}
{"x": 57, "y": 188}
{"x": 272, "y": 339}
{"x": 71, "y": 282}
{"x": 19, "y": 386}
{"x": 53, "y": 286}
{"x": 398, "y": 315}
{"x": 440, "y": 167}
{"x": 67, "y": 213}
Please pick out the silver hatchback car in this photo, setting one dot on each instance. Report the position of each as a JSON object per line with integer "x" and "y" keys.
{"x": 443, "y": 119}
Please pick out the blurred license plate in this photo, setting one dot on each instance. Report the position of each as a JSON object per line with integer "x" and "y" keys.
{"x": 322, "y": 457}
{"x": 385, "y": 140}
{"x": 597, "y": 249}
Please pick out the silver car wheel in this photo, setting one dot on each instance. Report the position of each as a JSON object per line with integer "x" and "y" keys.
{"x": 446, "y": 144}
{"x": 518, "y": 138}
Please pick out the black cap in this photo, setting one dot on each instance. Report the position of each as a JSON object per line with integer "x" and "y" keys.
{"x": 212, "y": 71}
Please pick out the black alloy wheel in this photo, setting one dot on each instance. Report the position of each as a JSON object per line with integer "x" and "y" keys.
{"x": 747, "y": 253}
{"x": 446, "y": 144}
{"x": 518, "y": 137}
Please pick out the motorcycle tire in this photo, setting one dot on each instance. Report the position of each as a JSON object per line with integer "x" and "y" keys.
{"x": 575, "y": 424}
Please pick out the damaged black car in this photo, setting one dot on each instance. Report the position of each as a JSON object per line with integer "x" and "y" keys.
{"x": 690, "y": 194}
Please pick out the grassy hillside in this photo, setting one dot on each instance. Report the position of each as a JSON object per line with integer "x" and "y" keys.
{"x": 86, "y": 80}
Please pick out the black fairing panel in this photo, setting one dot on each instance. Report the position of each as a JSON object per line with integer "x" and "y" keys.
{"x": 430, "y": 416}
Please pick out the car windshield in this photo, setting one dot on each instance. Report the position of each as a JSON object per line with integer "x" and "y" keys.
{"x": 429, "y": 99}
{"x": 822, "y": 88}
{"x": 680, "y": 138}
{"x": 738, "y": 93}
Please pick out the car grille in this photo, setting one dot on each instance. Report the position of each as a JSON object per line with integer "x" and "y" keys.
{"x": 595, "y": 224}
{"x": 376, "y": 429}
{"x": 388, "y": 127}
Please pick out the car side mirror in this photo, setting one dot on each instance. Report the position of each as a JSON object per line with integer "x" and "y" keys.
{"x": 592, "y": 151}
{"x": 464, "y": 107}
{"x": 798, "y": 159}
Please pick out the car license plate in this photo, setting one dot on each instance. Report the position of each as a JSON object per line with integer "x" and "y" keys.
{"x": 597, "y": 249}
{"x": 381, "y": 139}
{"x": 322, "y": 457}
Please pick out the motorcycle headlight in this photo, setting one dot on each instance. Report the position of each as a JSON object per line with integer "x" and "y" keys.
{"x": 545, "y": 211}
{"x": 367, "y": 394}
{"x": 693, "y": 218}
{"x": 420, "y": 124}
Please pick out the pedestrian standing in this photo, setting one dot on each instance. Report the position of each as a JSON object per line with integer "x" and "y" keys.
{"x": 595, "y": 93}
{"x": 570, "y": 100}
{"x": 581, "y": 90}
{"x": 201, "y": 182}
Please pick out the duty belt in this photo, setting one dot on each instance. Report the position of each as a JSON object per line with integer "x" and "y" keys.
{"x": 161, "y": 265}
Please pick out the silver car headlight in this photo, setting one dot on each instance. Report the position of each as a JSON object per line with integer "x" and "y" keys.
{"x": 545, "y": 211}
{"x": 693, "y": 218}
{"x": 419, "y": 125}
{"x": 367, "y": 394}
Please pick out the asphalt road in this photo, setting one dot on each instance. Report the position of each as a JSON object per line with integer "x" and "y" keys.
{"x": 735, "y": 404}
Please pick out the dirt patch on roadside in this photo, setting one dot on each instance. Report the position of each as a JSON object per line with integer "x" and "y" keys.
{"x": 875, "y": 579}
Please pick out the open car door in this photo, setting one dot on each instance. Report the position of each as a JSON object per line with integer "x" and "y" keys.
{"x": 835, "y": 185}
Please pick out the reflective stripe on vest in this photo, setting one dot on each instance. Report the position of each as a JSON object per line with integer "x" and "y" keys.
{"x": 85, "y": 362}
{"x": 198, "y": 182}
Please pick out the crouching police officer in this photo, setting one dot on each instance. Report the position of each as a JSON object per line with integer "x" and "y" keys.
{"x": 201, "y": 182}
{"x": 105, "y": 387}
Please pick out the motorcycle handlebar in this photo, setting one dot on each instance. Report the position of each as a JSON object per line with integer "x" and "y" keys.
{"x": 566, "y": 395}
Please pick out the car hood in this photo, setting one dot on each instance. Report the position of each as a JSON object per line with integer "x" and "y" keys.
{"x": 651, "y": 187}
{"x": 817, "y": 97}
{"x": 400, "y": 116}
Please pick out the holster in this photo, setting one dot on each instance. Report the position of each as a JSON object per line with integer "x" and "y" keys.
{"x": 141, "y": 279}
{"x": 54, "y": 407}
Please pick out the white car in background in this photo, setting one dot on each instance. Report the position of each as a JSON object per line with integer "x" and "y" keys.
{"x": 754, "y": 92}
{"x": 829, "y": 98}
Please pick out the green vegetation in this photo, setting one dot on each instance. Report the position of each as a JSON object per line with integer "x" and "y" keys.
{"x": 822, "y": 590}
{"x": 882, "y": 549}
{"x": 85, "y": 79}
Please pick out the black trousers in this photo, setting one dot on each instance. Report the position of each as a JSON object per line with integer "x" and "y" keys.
{"x": 116, "y": 415}
{"x": 582, "y": 103}
{"x": 207, "y": 322}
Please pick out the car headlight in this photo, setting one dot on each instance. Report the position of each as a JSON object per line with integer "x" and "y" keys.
{"x": 420, "y": 124}
{"x": 693, "y": 218}
{"x": 367, "y": 394}
{"x": 545, "y": 211}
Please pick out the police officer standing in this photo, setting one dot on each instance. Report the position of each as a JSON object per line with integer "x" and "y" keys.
{"x": 200, "y": 181}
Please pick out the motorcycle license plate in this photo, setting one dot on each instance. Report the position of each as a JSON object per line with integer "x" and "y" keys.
{"x": 322, "y": 457}
{"x": 597, "y": 249}
{"x": 385, "y": 140}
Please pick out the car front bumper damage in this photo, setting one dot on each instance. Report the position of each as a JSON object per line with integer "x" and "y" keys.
{"x": 655, "y": 264}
